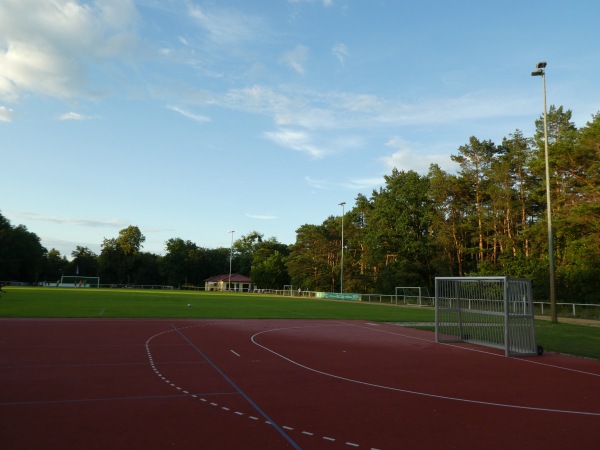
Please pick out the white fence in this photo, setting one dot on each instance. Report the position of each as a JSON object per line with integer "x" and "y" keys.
{"x": 541, "y": 308}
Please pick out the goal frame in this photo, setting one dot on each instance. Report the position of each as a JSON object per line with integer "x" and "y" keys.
{"x": 79, "y": 281}
{"x": 490, "y": 311}
{"x": 404, "y": 295}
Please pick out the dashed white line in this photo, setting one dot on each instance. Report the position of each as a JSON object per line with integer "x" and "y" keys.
{"x": 224, "y": 408}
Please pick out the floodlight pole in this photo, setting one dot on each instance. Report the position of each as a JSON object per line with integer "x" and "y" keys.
{"x": 230, "y": 259}
{"x": 342, "y": 261}
{"x": 553, "y": 316}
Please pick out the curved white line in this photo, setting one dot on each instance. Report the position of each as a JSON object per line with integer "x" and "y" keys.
{"x": 478, "y": 351}
{"x": 405, "y": 391}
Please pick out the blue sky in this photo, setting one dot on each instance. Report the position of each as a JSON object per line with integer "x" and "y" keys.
{"x": 191, "y": 118}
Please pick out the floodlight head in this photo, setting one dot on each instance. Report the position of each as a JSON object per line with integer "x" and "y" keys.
{"x": 541, "y": 65}
{"x": 537, "y": 73}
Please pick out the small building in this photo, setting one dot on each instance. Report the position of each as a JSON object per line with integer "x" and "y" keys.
{"x": 239, "y": 283}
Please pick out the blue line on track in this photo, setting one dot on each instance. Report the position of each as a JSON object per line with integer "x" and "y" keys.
{"x": 248, "y": 399}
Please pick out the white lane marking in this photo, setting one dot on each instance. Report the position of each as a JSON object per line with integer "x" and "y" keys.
{"x": 408, "y": 391}
{"x": 159, "y": 374}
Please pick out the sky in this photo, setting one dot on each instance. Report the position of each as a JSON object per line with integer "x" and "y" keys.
{"x": 191, "y": 119}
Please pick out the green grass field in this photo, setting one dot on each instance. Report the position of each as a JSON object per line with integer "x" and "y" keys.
{"x": 40, "y": 302}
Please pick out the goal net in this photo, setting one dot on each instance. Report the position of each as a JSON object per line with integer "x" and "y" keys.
{"x": 490, "y": 311}
{"x": 79, "y": 281}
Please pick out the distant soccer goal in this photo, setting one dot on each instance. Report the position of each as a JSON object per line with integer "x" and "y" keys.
{"x": 411, "y": 295}
{"x": 79, "y": 281}
{"x": 490, "y": 311}
{"x": 288, "y": 289}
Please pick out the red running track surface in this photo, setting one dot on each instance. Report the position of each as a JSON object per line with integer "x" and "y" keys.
{"x": 281, "y": 384}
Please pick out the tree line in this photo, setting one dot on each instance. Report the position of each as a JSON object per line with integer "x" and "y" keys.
{"x": 488, "y": 218}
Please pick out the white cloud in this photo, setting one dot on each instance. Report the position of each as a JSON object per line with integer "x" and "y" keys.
{"x": 340, "y": 51}
{"x": 261, "y": 216}
{"x": 296, "y": 140}
{"x": 50, "y": 48}
{"x": 326, "y": 3}
{"x": 297, "y": 58}
{"x": 364, "y": 183}
{"x": 406, "y": 158}
{"x": 6, "y": 114}
{"x": 195, "y": 117}
{"x": 227, "y": 26}
{"x": 318, "y": 184}
{"x": 95, "y": 223}
{"x": 74, "y": 116}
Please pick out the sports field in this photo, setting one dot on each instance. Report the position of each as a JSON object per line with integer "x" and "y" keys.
{"x": 277, "y": 376}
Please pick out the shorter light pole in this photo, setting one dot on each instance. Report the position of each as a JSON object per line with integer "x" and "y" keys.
{"x": 230, "y": 259}
{"x": 342, "y": 261}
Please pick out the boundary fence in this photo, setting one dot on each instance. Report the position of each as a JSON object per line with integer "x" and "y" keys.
{"x": 578, "y": 310}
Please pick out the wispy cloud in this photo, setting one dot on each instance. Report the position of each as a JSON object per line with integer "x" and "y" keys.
{"x": 225, "y": 26}
{"x": 296, "y": 140}
{"x": 407, "y": 157}
{"x": 94, "y": 223}
{"x": 261, "y": 216}
{"x": 340, "y": 51}
{"x": 326, "y": 3}
{"x": 363, "y": 183}
{"x": 318, "y": 184}
{"x": 6, "y": 114}
{"x": 74, "y": 116}
{"x": 185, "y": 113}
{"x": 353, "y": 184}
{"x": 296, "y": 58}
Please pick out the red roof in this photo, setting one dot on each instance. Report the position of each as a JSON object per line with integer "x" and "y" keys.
{"x": 235, "y": 277}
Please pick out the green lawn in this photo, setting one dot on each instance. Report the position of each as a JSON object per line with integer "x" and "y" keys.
{"x": 41, "y": 302}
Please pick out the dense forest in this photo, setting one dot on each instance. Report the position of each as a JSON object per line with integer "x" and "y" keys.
{"x": 488, "y": 218}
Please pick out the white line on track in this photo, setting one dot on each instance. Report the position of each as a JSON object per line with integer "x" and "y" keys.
{"x": 407, "y": 391}
{"x": 224, "y": 408}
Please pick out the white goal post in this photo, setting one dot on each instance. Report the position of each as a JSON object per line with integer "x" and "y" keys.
{"x": 490, "y": 311}
{"x": 79, "y": 281}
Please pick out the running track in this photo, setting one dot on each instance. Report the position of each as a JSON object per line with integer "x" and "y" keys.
{"x": 281, "y": 384}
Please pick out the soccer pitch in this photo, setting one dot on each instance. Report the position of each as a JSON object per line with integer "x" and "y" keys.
{"x": 132, "y": 303}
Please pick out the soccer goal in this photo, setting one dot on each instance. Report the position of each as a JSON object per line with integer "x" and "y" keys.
{"x": 490, "y": 311}
{"x": 79, "y": 281}
{"x": 288, "y": 289}
{"x": 411, "y": 295}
